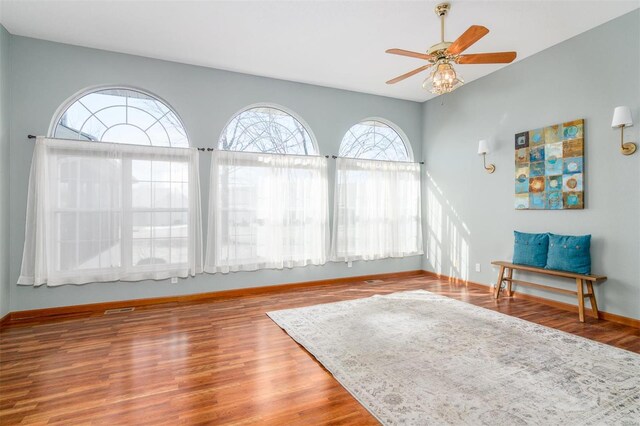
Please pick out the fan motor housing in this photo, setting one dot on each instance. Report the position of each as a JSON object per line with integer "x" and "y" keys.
{"x": 436, "y": 48}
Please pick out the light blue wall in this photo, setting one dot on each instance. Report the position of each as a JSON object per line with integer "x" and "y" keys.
{"x": 45, "y": 74}
{"x": 4, "y": 171}
{"x": 469, "y": 214}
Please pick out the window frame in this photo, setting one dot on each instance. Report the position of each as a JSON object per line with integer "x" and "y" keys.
{"x": 293, "y": 114}
{"x": 403, "y": 138}
{"x": 129, "y": 210}
{"x": 66, "y": 104}
{"x": 220, "y": 212}
{"x": 126, "y": 223}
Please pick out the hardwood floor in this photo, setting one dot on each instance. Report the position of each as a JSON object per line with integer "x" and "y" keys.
{"x": 211, "y": 362}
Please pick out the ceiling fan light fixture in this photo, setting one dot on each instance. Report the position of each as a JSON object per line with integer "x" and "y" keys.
{"x": 442, "y": 56}
{"x": 443, "y": 79}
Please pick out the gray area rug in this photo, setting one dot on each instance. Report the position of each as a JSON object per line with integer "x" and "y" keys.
{"x": 416, "y": 358}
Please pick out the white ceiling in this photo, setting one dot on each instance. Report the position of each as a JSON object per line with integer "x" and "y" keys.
{"x": 337, "y": 44}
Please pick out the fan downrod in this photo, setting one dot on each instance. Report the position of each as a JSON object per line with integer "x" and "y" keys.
{"x": 438, "y": 50}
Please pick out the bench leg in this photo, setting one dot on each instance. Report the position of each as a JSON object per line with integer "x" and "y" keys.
{"x": 509, "y": 275}
{"x": 499, "y": 284}
{"x": 592, "y": 298}
{"x": 580, "y": 299}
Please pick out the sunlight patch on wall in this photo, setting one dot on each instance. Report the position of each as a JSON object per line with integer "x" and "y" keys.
{"x": 447, "y": 235}
{"x": 434, "y": 231}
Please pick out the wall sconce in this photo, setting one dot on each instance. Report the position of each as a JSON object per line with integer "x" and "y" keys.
{"x": 622, "y": 118}
{"x": 483, "y": 149}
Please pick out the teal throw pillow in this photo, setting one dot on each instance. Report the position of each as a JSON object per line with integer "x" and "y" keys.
{"x": 530, "y": 249}
{"x": 569, "y": 253}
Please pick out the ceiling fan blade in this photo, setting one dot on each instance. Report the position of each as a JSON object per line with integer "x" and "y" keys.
{"x": 403, "y": 52}
{"x": 487, "y": 58}
{"x": 409, "y": 74}
{"x": 473, "y": 34}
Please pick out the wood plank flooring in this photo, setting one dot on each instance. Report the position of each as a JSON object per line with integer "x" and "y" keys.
{"x": 211, "y": 362}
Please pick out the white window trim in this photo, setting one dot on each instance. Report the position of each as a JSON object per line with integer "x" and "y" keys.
{"x": 292, "y": 113}
{"x": 35, "y": 272}
{"x": 64, "y": 106}
{"x": 394, "y": 127}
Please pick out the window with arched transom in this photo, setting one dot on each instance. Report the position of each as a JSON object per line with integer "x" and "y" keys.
{"x": 268, "y": 200}
{"x": 118, "y": 186}
{"x": 377, "y": 208}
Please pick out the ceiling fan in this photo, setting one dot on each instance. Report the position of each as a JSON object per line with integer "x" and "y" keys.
{"x": 444, "y": 79}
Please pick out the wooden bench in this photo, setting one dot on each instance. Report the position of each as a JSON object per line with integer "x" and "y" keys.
{"x": 581, "y": 280}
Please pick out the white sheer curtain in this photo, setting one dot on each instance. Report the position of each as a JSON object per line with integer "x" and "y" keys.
{"x": 376, "y": 210}
{"x": 104, "y": 212}
{"x": 266, "y": 211}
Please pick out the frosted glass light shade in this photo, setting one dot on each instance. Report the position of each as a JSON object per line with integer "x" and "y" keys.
{"x": 483, "y": 147}
{"x": 443, "y": 79}
{"x": 622, "y": 117}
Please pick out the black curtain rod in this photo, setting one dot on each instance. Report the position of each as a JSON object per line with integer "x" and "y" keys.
{"x": 199, "y": 149}
{"x": 211, "y": 149}
{"x": 352, "y": 158}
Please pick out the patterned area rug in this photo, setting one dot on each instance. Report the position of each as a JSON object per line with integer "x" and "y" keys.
{"x": 422, "y": 359}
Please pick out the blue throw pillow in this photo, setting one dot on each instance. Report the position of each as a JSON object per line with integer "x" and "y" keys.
{"x": 568, "y": 253}
{"x": 530, "y": 249}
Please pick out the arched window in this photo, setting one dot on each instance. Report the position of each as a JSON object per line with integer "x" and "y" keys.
{"x": 377, "y": 210}
{"x": 128, "y": 210}
{"x": 374, "y": 139}
{"x": 121, "y": 115}
{"x": 266, "y": 211}
{"x": 268, "y": 129}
